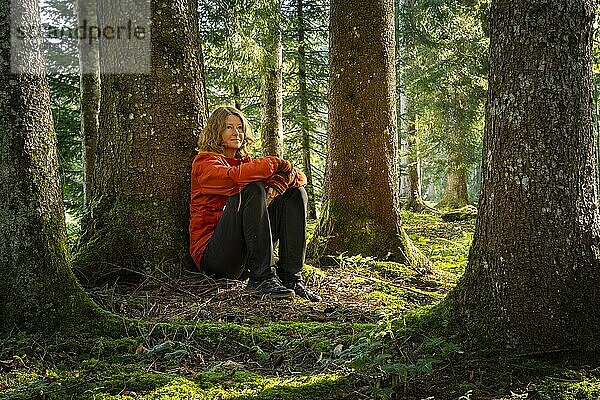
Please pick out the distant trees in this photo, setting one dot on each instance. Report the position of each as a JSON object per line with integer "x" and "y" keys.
{"x": 533, "y": 274}
{"x": 138, "y": 219}
{"x": 361, "y": 202}
{"x": 37, "y": 289}
{"x": 303, "y": 103}
{"x": 305, "y": 100}
{"x": 272, "y": 85}
{"x": 242, "y": 67}
{"x": 89, "y": 84}
{"x": 444, "y": 78}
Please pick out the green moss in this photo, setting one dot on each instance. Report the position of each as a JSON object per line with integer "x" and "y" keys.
{"x": 130, "y": 234}
{"x": 244, "y": 385}
{"x": 346, "y": 228}
{"x": 391, "y": 270}
{"x": 461, "y": 214}
{"x": 553, "y": 389}
{"x": 445, "y": 245}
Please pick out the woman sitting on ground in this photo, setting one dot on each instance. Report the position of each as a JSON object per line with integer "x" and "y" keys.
{"x": 232, "y": 230}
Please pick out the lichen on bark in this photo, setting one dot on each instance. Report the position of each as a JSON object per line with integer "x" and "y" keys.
{"x": 533, "y": 274}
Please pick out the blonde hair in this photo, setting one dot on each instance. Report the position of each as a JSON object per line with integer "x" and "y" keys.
{"x": 211, "y": 138}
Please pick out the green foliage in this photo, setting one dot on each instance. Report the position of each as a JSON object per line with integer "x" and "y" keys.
{"x": 232, "y": 53}
{"x": 64, "y": 96}
{"x": 398, "y": 350}
{"x": 237, "y": 35}
{"x": 580, "y": 388}
{"x": 316, "y": 47}
{"x": 443, "y": 73}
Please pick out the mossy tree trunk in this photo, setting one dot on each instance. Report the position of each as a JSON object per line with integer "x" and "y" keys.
{"x": 361, "y": 199}
{"x": 37, "y": 289}
{"x": 533, "y": 278}
{"x": 89, "y": 63}
{"x": 303, "y": 98}
{"x": 272, "y": 101}
{"x": 148, "y": 128}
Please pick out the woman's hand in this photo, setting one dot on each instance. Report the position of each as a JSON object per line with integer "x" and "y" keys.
{"x": 277, "y": 184}
{"x": 271, "y": 193}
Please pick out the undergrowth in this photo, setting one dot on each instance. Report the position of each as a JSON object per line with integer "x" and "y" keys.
{"x": 380, "y": 333}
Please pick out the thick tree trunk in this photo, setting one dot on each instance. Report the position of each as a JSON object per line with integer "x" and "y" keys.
{"x": 148, "y": 129}
{"x": 533, "y": 278}
{"x": 272, "y": 102}
{"x": 37, "y": 289}
{"x": 361, "y": 201}
{"x": 89, "y": 62}
{"x": 303, "y": 96}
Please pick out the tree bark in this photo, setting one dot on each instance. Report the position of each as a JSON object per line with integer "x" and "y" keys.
{"x": 89, "y": 62}
{"x": 304, "y": 117}
{"x": 37, "y": 289}
{"x": 361, "y": 200}
{"x": 533, "y": 274}
{"x": 149, "y": 124}
{"x": 272, "y": 102}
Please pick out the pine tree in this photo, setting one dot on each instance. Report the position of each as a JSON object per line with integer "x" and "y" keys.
{"x": 533, "y": 274}
{"x": 149, "y": 125}
{"x": 37, "y": 289}
{"x": 361, "y": 201}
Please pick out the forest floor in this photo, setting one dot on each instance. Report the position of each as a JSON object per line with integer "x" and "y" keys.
{"x": 376, "y": 335}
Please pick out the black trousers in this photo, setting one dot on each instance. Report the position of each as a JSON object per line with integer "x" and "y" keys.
{"x": 248, "y": 231}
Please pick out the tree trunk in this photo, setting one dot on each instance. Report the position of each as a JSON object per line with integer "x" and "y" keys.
{"x": 361, "y": 200}
{"x": 304, "y": 117}
{"x": 272, "y": 102}
{"x": 411, "y": 185}
{"x": 456, "y": 194}
{"x": 533, "y": 278}
{"x": 402, "y": 104}
{"x": 89, "y": 62}
{"x": 237, "y": 97}
{"x": 148, "y": 129}
{"x": 415, "y": 200}
{"x": 37, "y": 289}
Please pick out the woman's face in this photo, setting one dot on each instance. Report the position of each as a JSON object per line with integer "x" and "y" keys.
{"x": 233, "y": 135}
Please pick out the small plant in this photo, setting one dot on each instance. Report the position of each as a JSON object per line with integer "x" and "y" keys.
{"x": 352, "y": 262}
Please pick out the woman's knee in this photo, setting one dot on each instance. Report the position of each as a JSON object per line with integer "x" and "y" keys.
{"x": 254, "y": 194}
{"x": 257, "y": 188}
{"x": 298, "y": 193}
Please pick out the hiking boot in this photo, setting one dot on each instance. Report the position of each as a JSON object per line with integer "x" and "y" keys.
{"x": 299, "y": 287}
{"x": 269, "y": 287}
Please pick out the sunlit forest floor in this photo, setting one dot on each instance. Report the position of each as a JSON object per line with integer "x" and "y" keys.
{"x": 376, "y": 335}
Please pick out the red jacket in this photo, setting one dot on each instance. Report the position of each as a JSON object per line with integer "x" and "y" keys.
{"x": 214, "y": 179}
